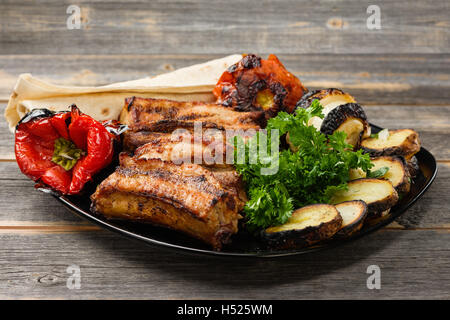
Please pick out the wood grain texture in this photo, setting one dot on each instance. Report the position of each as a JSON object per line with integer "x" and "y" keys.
{"x": 399, "y": 73}
{"x": 414, "y": 264}
{"x": 22, "y": 206}
{"x": 218, "y": 27}
{"x": 421, "y": 79}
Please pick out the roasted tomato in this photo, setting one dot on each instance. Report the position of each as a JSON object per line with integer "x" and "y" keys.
{"x": 257, "y": 84}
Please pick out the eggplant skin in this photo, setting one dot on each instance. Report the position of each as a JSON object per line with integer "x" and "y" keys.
{"x": 354, "y": 227}
{"x": 300, "y": 238}
{"x": 371, "y": 221}
{"x": 409, "y": 146}
{"x": 336, "y": 117}
{"x": 310, "y": 96}
{"x": 413, "y": 167}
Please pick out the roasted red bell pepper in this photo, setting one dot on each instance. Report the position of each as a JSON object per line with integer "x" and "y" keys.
{"x": 62, "y": 150}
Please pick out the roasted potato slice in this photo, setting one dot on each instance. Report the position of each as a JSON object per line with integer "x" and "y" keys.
{"x": 307, "y": 225}
{"x": 403, "y": 142}
{"x": 378, "y": 194}
{"x": 353, "y": 214}
{"x": 397, "y": 174}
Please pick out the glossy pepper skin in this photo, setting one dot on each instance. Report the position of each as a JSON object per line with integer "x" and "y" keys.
{"x": 257, "y": 84}
{"x": 35, "y": 140}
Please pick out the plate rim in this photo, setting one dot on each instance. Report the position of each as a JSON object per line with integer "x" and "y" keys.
{"x": 257, "y": 254}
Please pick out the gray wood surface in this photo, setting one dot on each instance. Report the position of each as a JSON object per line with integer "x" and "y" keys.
{"x": 415, "y": 79}
{"x": 399, "y": 73}
{"x": 414, "y": 264}
{"x": 221, "y": 26}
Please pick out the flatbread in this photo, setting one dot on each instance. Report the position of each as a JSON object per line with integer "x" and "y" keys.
{"x": 102, "y": 103}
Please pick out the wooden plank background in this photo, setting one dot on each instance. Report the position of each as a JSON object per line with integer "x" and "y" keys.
{"x": 399, "y": 73}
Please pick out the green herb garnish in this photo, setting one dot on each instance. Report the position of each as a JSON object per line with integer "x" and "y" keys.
{"x": 377, "y": 173}
{"x": 310, "y": 175}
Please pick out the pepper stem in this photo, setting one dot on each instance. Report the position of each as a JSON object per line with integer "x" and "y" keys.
{"x": 66, "y": 153}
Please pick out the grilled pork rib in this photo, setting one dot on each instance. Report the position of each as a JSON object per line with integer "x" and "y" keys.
{"x": 163, "y": 183}
{"x": 185, "y": 197}
{"x": 145, "y": 116}
{"x": 182, "y": 151}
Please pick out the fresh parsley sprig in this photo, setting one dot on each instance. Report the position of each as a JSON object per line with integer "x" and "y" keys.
{"x": 312, "y": 174}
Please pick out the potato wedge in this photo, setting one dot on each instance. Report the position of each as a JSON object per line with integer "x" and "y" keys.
{"x": 307, "y": 225}
{"x": 403, "y": 142}
{"x": 378, "y": 194}
{"x": 398, "y": 173}
{"x": 353, "y": 214}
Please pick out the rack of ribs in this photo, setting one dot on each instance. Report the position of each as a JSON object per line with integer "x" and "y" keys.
{"x": 146, "y": 116}
{"x": 159, "y": 180}
{"x": 185, "y": 197}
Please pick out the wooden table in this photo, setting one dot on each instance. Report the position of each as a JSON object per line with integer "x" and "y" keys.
{"x": 399, "y": 73}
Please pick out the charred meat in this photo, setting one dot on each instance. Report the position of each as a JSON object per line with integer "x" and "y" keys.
{"x": 148, "y": 118}
{"x": 185, "y": 197}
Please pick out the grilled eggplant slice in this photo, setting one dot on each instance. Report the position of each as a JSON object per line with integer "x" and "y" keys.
{"x": 357, "y": 173}
{"x": 341, "y": 113}
{"x": 306, "y": 226}
{"x": 397, "y": 174}
{"x": 371, "y": 221}
{"x": 349, "y": 118}
{"x": 378, "y": 194}
{"x": 403, "y": 142}
{"x": 353, "y": 214}
{"x": 329, "y": 99}
{"x": 413, "y": 166}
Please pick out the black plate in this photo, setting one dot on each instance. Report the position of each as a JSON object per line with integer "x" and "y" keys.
{"x": 243, "y": 245}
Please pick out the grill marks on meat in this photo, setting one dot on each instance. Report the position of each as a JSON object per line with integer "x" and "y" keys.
{"x": 181, "y": 148}
{"x": 162, "y": 184}
{"x": 143, "y": 115}
{"x": 224, "y": 173}
{"x": 185, "y": 197}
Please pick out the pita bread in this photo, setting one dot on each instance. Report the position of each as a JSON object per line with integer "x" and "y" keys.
{"x": 186, "y": 84}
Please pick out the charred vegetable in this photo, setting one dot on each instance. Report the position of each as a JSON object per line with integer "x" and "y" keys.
{"x": 403, "y": 142}
{"x": 306, "y": 226}
{"x": 378, "y": 194}
{"x": 341, "y": 112}
{"x": 257, "y": 84}
{"x": 397, "y": 174}
{"x": 311, "y": 175}
{"x": 413, "y": 166}
{"x": 62, "y": 151}
{"x": 353, "y": 214}
{"x": 349, "y": 118}
{"x": 370, "y": 221}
